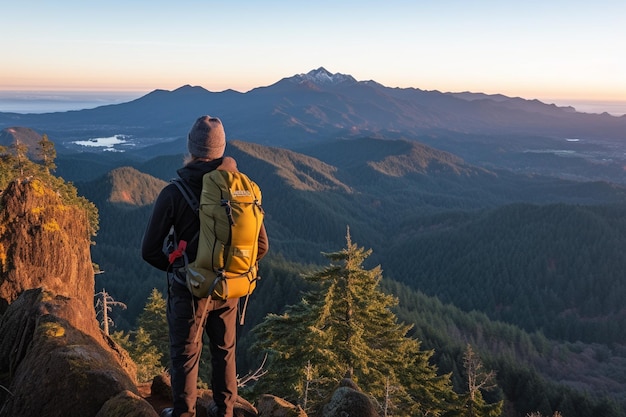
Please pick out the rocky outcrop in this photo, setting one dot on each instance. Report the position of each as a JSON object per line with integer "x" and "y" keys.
{"x": 54, "y": 359}
{"x": 43, "y": 243}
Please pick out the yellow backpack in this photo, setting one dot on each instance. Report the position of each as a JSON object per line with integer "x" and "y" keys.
{"x": 230, "y": 221}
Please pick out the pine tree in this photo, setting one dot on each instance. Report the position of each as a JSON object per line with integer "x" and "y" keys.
{"x": 47, "y": 152}
{"x": 20, "y": 151}
{"x": 7, "y": 166}
{"x": 346, "y": 325}
{"x": 148, "y": 346}
{"x": 154, "y": 322}
{"x": 146, "y": 356}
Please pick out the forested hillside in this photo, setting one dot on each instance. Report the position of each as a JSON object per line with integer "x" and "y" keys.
{"x": 554, "y": 268}
{"x": 124, "y": 199}
{"x": 526, "y": 268}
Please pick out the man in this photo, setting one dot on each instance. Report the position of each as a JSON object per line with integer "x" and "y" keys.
{"x": 206, "y": 143}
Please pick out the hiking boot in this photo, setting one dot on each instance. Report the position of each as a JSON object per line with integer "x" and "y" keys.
{"x": 167, "y": 412}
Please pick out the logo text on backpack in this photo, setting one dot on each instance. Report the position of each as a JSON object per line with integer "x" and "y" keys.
{"x": 241, "y": 193}
{"x": 243, "y": 253}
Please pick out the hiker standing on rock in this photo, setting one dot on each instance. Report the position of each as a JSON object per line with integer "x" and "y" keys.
{"x": 206, "y": 143}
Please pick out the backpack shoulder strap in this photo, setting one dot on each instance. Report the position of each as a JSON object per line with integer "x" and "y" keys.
{"x": 190, "y": 197}
{"x": 186, "y": 191}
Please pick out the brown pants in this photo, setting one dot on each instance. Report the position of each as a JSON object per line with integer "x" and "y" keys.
{"x": 221, "y": 328}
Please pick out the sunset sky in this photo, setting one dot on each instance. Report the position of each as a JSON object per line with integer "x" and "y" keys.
{"x": 532, "y": 49}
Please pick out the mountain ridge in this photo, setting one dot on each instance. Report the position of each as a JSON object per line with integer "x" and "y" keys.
{"x": 316, "y": 106}
{"x": 491, "y": 131}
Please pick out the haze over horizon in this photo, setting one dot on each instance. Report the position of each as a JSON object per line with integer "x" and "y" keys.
{"x": 51, "y": 101}
{"x": 551, "y": 51}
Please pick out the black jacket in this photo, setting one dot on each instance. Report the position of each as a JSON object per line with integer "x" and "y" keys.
{"x": 171, "y": 209}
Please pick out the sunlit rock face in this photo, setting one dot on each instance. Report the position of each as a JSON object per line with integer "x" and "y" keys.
{"x": 43, "y": 243}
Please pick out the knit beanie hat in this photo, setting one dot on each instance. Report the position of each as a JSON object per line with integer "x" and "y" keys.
{"x": 206, "y": 138}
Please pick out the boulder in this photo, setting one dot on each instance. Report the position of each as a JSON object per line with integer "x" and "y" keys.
{"x": 57, "y": 369}
{"x": 126, "y": 404}
{"x": 272, "y": 406}
{"x": 349, "y": 402}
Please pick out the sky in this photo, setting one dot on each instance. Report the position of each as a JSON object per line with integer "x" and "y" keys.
{"x": 544, "y": 49}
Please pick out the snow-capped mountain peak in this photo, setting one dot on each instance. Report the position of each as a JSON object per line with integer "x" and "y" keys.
{"x": 323, "y": 77}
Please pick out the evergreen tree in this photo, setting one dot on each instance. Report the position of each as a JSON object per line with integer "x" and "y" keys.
{"x": 148, "y": 345}
{"x": 20, "y": 151}
{"x": 6, "y": 166}
{"x": 345, "y": 325}
{"x": 47, "y": 152}
{"x": 154, "y": 322}
{"x": 146, "y": 355}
